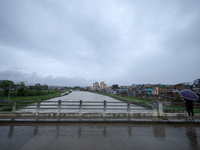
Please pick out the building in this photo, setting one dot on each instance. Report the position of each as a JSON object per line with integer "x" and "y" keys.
{"x": 103, "y": 85}
{"x": 95, "y": 86}
{"x": 159, "y": 90}
{"x": 1, "y": 81}
{"x": 197, "y": 82}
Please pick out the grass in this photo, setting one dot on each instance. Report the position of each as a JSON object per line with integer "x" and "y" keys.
{"x": 171, "y": 108}
{"x": 124, "y": 97}
{"x": 7, "y": 105}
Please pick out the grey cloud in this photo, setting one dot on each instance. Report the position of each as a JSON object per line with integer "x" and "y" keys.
{"x": 33, "y": 78}
{"x": 123, "y": 42}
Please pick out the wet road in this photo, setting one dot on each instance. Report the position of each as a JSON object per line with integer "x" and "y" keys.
{"x": 85, "y": 96}
{"x": 100, "y": 137}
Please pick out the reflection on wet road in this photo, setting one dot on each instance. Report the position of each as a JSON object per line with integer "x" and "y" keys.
{"x": 100, "y": 137}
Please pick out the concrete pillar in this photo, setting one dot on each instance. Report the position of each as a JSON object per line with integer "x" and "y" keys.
{"x": 14, "y": 106}
{"x": 154, "y": 107}
{"x": 128, "y": 107}
{"x": 157, "y": 107}
{"x": 104, "y": 107}
{"x": 160, "y": 107}
{"x": 38, "y": 106}
{"x": 80, "y": 106}
{"x": 59, "y": 106}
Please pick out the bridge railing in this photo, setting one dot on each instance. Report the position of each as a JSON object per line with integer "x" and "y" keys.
{"x": 79, "y": 106}
{"x": 179, "y": 107}
{"x": 59, "y": 106}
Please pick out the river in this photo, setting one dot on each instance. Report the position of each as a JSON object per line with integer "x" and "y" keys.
{"x": 87, "y": 99}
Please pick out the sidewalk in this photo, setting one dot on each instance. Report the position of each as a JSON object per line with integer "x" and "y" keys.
{"x": 63, "y": 120}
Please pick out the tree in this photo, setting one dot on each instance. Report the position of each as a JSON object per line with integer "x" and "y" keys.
{"x": 6, "y": 85}
{"x": 21, "y": 89}
{"x": 38, "y": 87}
{"x": 45, "y": 87}
{"x": 115, "y": 86}
{"x": 31, "y": 87}
{"x": 76, "y": 88}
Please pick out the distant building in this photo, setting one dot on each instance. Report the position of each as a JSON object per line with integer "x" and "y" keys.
{"x": 95, "y": 86}
{"x": 103, "y": 85}
{"x": 1, "y": 81}
{"x": 197, "y": 82}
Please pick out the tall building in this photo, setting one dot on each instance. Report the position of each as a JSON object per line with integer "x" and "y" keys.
{"x": 95, "y": 86}
{"x": 103, "y": 85}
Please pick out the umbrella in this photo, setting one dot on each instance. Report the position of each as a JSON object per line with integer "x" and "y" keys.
{"x": 188, "y": 94}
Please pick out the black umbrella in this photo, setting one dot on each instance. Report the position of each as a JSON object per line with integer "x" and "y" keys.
{"x": 188, "y": 94}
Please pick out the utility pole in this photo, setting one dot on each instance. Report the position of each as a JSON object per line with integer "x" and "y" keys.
{"x": 35, "y": 90}
{"x": 9, "y": 91}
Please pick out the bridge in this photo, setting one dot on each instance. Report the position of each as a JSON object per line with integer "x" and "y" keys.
{"x": 83, "y": 120}
{"x": 89, "y": 104}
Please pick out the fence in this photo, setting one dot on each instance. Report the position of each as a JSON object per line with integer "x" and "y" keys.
{"x": 155, "y": 106}
{"x": 179, "y": 107}
{"x": 79, "y": 106}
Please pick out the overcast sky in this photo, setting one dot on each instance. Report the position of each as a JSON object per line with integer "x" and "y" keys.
{"x": 78, "y": 42}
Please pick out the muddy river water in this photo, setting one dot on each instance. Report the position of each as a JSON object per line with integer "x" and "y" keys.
{"x": 70, "y": 104}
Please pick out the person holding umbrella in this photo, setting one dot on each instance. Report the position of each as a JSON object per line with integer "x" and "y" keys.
{"x": 189, "y": 96}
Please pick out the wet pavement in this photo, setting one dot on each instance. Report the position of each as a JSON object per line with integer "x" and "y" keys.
{"x": 100, "y": 137}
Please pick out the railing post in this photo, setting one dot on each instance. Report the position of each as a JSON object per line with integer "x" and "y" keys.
{"x": 160, "y": 107}
{"x": 154, "y": 107}
{"x": 128, "y": 107}
{"x": 59, "y": 106}
{"x": 104, "y": 106}
{"x": 14, "y": 106}
{"x": 80, "y": 106}
{"x": 38, "y": 106}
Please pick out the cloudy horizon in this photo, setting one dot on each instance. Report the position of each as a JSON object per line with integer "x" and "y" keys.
{"x": 76, "y": 43}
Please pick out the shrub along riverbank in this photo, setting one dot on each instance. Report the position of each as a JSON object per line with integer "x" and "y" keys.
{"x": 4, "y": 104}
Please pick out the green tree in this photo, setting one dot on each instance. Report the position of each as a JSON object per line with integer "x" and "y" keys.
{"x": 76, "y": 88}
{"x": 45, "y": 87}
{"x": 115, "y": 86}
{"x": 31, "y": 87}
{"x": 21, "y": 89}
{"x": 6, "y": 85}
{"x": 38, "y": 87}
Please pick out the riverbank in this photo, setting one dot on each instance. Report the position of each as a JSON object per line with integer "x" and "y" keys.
{"x": 28, "y": 100}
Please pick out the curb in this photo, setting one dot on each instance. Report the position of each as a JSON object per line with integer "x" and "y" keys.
{"x": 96, "y": 114}
{"x": 94, "y": 122}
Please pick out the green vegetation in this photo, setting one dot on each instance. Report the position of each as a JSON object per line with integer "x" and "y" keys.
{"x": 20, "y": 92}
{"x": 168, "y": 108}
{"x": 124, "y": 97}
{"x": 115, "y": 86}
{"x": 22, "y": 100}
{"x": 6, "y": 85}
